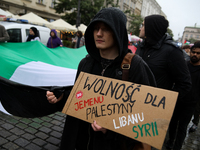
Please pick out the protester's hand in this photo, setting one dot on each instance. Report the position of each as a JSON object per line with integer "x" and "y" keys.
{"x": 96, "y": 127}
{"x": 52, "y": 98}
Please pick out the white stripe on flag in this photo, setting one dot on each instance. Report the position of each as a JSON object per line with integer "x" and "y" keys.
{"x": 43, "y": 74}
{"x": 2, "y": 109}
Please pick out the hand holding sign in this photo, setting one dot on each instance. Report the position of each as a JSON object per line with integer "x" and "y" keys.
{"x": 137, "y": 111}
{"x": 96, "y": 127}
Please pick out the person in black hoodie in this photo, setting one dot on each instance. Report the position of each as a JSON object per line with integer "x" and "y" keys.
{"x": 33, "y": 35}
{"x": 168, "y": 65}
{"x": 106, "y": 41}
{"x": 194, "y": 67}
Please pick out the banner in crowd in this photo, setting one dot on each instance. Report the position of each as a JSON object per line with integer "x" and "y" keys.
{"x": 32, "y": 63}
{"x": 137, "y": 111}
{"x": 29, "y": 69}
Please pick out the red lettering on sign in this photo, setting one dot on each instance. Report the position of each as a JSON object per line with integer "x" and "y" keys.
{"x": 91, "y": 101}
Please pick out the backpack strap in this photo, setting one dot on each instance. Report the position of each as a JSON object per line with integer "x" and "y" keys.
{"x": 125, "y": 65}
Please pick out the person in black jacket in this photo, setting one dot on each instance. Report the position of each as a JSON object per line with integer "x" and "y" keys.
{"x": 106, "y": 43}
{"x": 194, "y": 67}
{"x": 167, "y": 63}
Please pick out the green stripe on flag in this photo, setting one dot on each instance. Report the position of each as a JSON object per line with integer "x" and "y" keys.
{"x": 12, "y": 55}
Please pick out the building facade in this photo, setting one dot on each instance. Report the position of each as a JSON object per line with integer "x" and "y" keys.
{"x": 191, "y": 33}
{"x": 127, "y": 5}
{"x": 138, "y": 7}
{"x": 42, "y": 8}
{"x": 150, "y": 7}
{"x": 163, "y": 14}
{"x": 45, "y": 8}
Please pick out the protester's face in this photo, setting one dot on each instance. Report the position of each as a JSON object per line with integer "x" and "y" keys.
{"x": 142, "y": 31}
{"x": 31, "y": 32}
{"x": 103, "y": 36}
{"x": 52, "y": 34}
{"x": 187, "y": 50}
{"x": 195, "y": 55}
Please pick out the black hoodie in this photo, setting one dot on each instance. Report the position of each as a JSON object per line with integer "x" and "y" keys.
{"x": 116, "y": 20}
{"x": 30, "y": 37}
{"x": 79, "y": 134}
{"x": 155, "y": 28}
{"x": 164, "y": 57}
{"x": 195, "y": 76}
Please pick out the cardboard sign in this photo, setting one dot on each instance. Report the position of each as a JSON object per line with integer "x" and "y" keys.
{"x": 137, "y": 111}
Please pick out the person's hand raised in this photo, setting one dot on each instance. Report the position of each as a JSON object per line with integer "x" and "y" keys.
{"x": 52, "y": 98}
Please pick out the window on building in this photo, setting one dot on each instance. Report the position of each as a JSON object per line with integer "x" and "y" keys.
{"x": 40, "y": 1}
{"x": 191, "y": 35}
{"x": 15, "y": 35}
{"x": 186, "y": 35}
{"x": 52, "y": 3}
{"x": 197, "y": 36}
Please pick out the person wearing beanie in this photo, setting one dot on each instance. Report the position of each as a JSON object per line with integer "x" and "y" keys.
{"x": 33, "y": 35}
{"x": 54, "y": 41}
{"x": 107, "y": 44}
{"x": 168, "y": 65}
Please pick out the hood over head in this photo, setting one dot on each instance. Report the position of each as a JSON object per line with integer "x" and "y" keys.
{"x": 55, "y": 32}
{"x": 155, "y": 28}
{"x": 116, "y": 20}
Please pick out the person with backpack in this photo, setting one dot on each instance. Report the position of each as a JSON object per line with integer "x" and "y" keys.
{"x": 107, "y": 45}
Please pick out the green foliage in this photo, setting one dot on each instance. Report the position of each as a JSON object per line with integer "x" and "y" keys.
{"x": 169, "y": 31}
{"x": 67, "y": 43}
{"x": 192, "y": 40}
{"x": 88, "y": 8}
{"x": 111, "y": 3}
{"x": 135, "y": 24}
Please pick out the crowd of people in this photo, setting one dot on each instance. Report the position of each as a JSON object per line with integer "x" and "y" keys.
{"x": 160, "y": 63}
{"x": 107, "y": 45}
{"x": 53, "y": 41}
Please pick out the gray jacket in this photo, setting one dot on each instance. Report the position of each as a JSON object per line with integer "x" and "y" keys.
{"x": 3, "y": 34}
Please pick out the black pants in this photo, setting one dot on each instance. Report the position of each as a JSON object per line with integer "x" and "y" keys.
{"x": 179, "y": 122}
{"x": 196, "y": 114}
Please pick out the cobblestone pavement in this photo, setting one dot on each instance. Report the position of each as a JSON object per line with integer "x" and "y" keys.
{"x": 192, "y": 140}
{"x": 45, "y": 133}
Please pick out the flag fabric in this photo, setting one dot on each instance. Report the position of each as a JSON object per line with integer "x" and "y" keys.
{"x": 132, "y": 48}
{"x": 186, "y": 42}
{"x": 29, "y": 69}
{"x": 129, "y": 38}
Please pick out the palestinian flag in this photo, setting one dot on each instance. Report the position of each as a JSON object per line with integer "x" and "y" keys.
{"x": 29, "y": 69}
{"x": 186, "y": 42}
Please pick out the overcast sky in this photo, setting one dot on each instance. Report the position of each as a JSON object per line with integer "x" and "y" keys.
{"x": 181, "y": 13}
